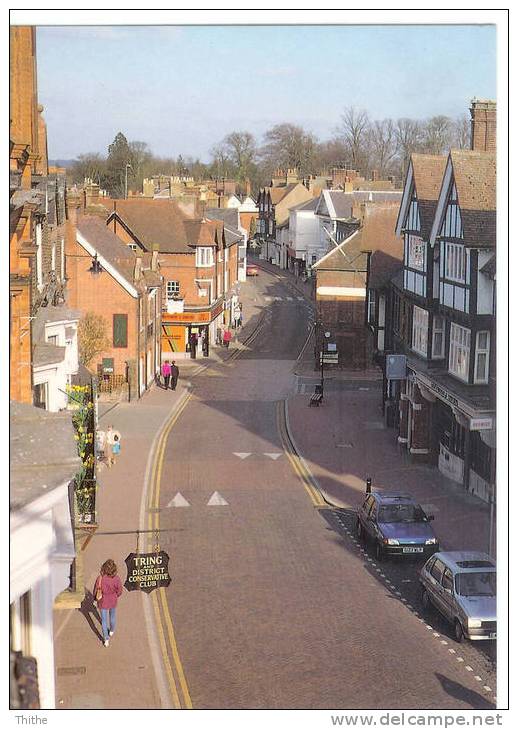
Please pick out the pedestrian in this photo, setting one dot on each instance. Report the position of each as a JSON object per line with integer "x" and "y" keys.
{"x": 108, "y": 589}
{"x": 218, "y": 336}
{"x": 227, "y": 336}
{"x": 100, "y": 442}
{"x": 116, "y": 448}
{"x": 239, "y": 318}
{"x": 166, "y": 373}
{"x": 174, "y": 375}
{"x": 111, "y": 434}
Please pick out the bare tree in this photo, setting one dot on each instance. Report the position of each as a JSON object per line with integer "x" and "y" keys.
{"x": 437, "y": 135}
{"x": 91, "y": 166}
{"x": 408, "y": 139}
{"x": 241, "y": 150}
{"x": 289, "y": 146}
{"x": 354, "y": 131}
{"x": 221, "y": 162}
{"x": 462, "y": 132}
{"x": 382, "y": 142}
{"x": 92, "y": 338}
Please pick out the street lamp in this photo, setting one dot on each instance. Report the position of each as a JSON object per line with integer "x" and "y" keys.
{"x": 326, "y": 336}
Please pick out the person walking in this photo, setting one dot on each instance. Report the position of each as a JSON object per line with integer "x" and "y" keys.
{"x": 112, "y": 437}
{"x": 108, "y": 589}
{"x": 100, "y": 442}
{"x": 227, "y": 337}
{"x": 174, "y": 375}
{"x": 116, "y": 448}
{"x": 166, "y": 373}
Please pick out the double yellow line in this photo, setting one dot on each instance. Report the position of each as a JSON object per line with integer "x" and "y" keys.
{"x": 297, "y": 463}
{"x": 169, "y": 648}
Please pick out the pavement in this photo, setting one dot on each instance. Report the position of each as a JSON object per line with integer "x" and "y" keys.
{"x": 343, "y": 441}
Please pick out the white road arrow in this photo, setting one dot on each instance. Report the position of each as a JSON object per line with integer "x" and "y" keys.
{"x": 242, "y": 455}
{"x": 217, "y": 500}
{"x": 178, "y": 500}
{"x": 273, "y": 456}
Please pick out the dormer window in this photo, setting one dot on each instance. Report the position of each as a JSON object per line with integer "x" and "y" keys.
{"x": 204, "y": 257}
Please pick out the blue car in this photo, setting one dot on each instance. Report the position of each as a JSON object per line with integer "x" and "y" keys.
{"x": 397, "y": 525}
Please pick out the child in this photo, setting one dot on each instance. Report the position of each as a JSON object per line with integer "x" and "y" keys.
{"x": 116, "y": 449}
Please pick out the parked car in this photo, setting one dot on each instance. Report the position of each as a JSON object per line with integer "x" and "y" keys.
{"x": 462, "y": 586}
{"x": 396, "y": 524}
{"x": 252, "y": 270}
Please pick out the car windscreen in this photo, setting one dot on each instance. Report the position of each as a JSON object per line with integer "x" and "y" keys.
{"x": 393, "y": 513}
{"x": 476, "y": 584}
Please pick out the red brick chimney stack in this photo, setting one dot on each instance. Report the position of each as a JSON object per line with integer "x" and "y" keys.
{"x": 483, "y": 125}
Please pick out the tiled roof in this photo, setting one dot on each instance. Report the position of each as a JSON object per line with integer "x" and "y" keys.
{"x": 475, "y": 179}
{"x": 379, "y": 237}
{"x": 163, "y": 223}
{"x": 307, "y": 206}
{"x": 229, "y": 215}
{"x": 428, "y": 172}
{"x": 348, "y": 256}
{"x": 279, "y": 193}
{"x": 108, "y": 245}
{"x": 43, "y": 453}
{"x": 47, "y": 354}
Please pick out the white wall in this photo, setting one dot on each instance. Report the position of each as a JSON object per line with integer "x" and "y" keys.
{"x": 485, "y": 285}
{"x": 42, "y": 550}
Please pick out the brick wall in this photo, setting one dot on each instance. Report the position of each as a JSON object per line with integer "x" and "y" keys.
{"x": 483, "y": 126}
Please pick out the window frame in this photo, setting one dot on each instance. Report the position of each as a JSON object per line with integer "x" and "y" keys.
{"x": 413, "y": 261}
{"x": 437, "y": 330}
{"x": 172, "y": 290}
{"x": 120, "y": 317}
{"x": 456, "y": 343}
{"x": 421, "y": 328}
{"x": 478, "y": 351}
{"x": 455, "y": 260}
{"x": 204, "y": 253}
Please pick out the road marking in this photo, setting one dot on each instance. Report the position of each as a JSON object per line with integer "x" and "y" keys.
{"x": 452, "y": 650}
{"x": 477, "y": 678}
{"x": 460, "y": 660}
{"x": 289, "y": 298}
{"x": 154, "y": 521}
{"x": 444, "y": 642}
{"x": 364, "y": 389}
{"x": 300, "y": 298}
{"x": 242, "y": 455}
{"x": 217, "y": 500}
{"x": 178, "y": 501}
{"x": 468, "y": 668}
{"x": 267, "y": 298}
{"x": 488, "y": 688}
{"x": 273, "y": 456}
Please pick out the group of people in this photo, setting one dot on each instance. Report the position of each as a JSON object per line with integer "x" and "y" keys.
{"x": 108, "y": 445}
{"x": 170, "y": 373}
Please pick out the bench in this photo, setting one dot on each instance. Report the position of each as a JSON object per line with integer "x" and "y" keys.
{"x": 316, "y": 397}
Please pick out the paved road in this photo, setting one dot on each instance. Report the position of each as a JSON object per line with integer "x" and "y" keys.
{"x": 272, "y": 607}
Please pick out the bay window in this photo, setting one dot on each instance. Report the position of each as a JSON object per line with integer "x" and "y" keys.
{"x": 460, "y": 342}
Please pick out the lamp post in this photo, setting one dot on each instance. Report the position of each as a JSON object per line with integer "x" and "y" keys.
{"x": 326, "y": 336}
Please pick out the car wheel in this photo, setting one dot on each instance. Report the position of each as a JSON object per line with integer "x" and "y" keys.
{"x": 459, "y": 632}
{"x": 380, "y": 554}
{"x": 425, "y": 599}
{"x": 359, "y": 531}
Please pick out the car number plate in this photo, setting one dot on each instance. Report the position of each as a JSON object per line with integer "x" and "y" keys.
{"x": 412, "y": 550}
{"x": 492, "y": 635}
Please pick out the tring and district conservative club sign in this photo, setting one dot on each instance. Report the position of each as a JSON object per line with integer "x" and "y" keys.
{"x": 147, "y": 571}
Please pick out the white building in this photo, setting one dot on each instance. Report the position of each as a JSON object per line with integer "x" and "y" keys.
{"x": 43, "y": 462}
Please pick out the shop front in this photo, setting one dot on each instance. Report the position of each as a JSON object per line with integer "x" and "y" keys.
{"x": 437, "y": 425}
{"x": 190, "y": 333}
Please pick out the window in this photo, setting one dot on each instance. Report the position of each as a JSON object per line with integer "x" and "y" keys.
{"x": 53, "y": 258}
{"x": 173, "y": 290}
{"x": 438, "y": 337}
{"x": 120, "y": 330}
{"x": 204, "y": 257}
{"x": 460, "y": 342}
{"x": 40, "y": 396}
{"x": 52, "y": 339}
{"x": 447, "y": 580}
{"x": 481, "y": 358}
{"x": 133, "y": 247}
{"x": 455, "y": 263}
{"x": 420, "y": 331}
{"x": 415, "y": 252}
{"x": 371, "y": 306}
{"x": 437, "y": 570}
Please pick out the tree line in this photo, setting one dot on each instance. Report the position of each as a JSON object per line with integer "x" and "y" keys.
{"x": 358, "y": 143}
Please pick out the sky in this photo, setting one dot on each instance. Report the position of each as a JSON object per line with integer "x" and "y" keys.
{"x": 181, "y": 89}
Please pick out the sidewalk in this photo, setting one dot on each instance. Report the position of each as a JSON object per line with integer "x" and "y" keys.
{"x": 345, "y": 440}
{"x": 82, "y": 662}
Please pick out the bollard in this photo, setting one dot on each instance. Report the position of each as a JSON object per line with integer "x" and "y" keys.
{"x": 368, "y": 484}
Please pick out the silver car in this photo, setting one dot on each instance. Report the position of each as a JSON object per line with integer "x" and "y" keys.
{"x": 462, "y": 586}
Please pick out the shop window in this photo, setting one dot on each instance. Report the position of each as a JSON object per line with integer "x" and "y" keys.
{"x": 460, "y": 342}
{"x": 120, "y": 329}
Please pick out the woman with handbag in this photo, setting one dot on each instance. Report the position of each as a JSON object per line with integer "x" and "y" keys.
{"x": 108, "y": 589}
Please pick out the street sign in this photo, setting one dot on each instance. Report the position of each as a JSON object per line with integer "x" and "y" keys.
{"x": 329, "y": 357}
{"x": 147, "y": 571}
{"x": 331, "y": 347}
{"x": 395, "y": 368}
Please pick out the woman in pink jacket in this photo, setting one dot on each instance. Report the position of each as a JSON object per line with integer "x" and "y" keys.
{"x": 108, "y": 589}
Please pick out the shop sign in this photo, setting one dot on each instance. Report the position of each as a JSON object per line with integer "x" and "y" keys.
{"x": 147, "y": 571}
{"x": 188, "y": 316}
{"x": 443, "y": 394}
{"x": 480, "y": 423}
{"x": 331, "y": 347}
{"x": 329, "y": 357}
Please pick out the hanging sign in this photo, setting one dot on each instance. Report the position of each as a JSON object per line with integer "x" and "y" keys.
{"x": 147, "y": 571}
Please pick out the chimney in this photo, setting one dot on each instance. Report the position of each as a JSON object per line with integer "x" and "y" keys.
{"x": 154, "y": 257}
{"x": 375, "y": 175}
{"x": 248, "y": 187}
{"x": 483, "y": 125}
{"x": 138, "y": 267}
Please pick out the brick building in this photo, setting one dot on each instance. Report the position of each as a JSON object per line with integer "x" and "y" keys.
{"x": 198, "y": 261}
{"x": 126, "y": 292}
